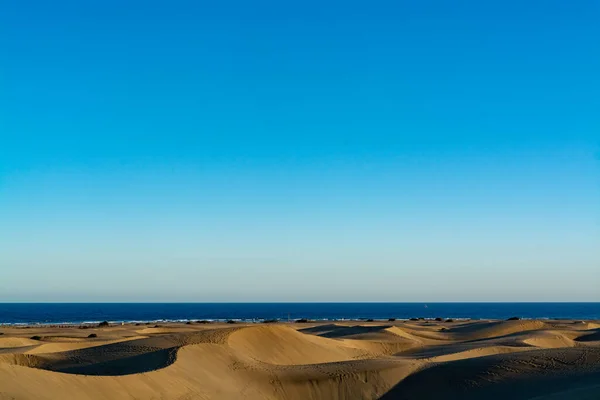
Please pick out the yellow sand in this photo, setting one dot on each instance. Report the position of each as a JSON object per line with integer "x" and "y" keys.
{"x": 352, "y": 360}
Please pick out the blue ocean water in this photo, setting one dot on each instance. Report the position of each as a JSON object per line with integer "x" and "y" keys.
{"x": 48, "y": 313}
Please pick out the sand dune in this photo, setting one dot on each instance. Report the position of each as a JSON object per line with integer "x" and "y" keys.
{"x": 474, "y": 353}
{"x": 11, "y": 342}
{"x": 160, "y": 330}
{"x": 396, "y": 360}
{"x": 286, "y": 346}
{"x": 549, "y": 340}
{"x": 486, "y": 330}
{"x": 520, "y": 375}
{"x": 56, "y": 347}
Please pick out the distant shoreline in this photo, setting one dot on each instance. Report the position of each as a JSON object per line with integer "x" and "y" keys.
{"x": 131, "y": 313}
{"x": 95, "y": 324}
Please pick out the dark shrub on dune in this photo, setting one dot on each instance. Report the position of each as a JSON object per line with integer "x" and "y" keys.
{"x": 36, "y": 338}
{"x": 203, "y": 321}
{"x": 302, "y": 321}
{"x": 270, "y": 321}
{"x": 513, "y": 319}
{"x": 449, "y": 320}
{"x": 156, "y": 326}
{"x": 84, "y": 327}
{"x": 103, "y": 324}
{"x": 370, "y": 320}
{"x": 414, "y": 319}
{"x": 391, "y": 319}
{"x": 188, "y": 323}
{"x": 138, "y": 324}
{"x": 92, "y": 335}
{"x": 231, "y": 321}
{"x": 439, "y": 319}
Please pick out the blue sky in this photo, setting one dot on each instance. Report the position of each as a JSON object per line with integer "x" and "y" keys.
{"x": 308, "y": 151}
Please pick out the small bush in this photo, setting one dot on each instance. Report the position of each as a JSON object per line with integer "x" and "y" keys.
{"x": 138, "y": 324}
{"x": 449, "y": 320}
{"x": 270, "y": 321}
{"x": 439, "y": 319}
{"x": 157, "y": 326}
{"x": 444, "y": 329}
{"x": 302, "y": 321}
{"x": 92, "y": 335}
{"x": 370, "y": 320}
{"x": 391, "y": 319}
{"x": 513, "y": 319}
{"x": 103, "y": 324}
{"x": 188, "y": 323}
{"x": 203, "y": 321}
{"x": 84, "y": 327}
{"x": 231, "y": 321}
{"x": 36, "y": 338}
{"x": 414, "y": 319}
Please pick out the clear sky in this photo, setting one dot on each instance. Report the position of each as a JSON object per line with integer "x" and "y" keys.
{"x": 299, "y": 151}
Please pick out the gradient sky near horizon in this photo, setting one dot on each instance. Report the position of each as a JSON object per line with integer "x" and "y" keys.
{"x": 299, "y": 151}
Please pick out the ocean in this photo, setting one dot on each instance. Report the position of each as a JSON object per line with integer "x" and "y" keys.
{"x": 56, "y": 313}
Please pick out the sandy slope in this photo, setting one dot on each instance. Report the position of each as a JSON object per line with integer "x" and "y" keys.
{"x": 396, "y": 360}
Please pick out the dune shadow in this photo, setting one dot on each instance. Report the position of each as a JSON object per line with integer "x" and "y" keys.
{"x": 320, "y": 329}
{"x": 136, "y": 364}
{"x": 337, "y": 331}
{"x": 123, "y": 358}
{"x": 591, "y": 337}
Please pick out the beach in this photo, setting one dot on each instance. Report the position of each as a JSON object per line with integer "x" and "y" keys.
{"x": 381, "y": 359}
